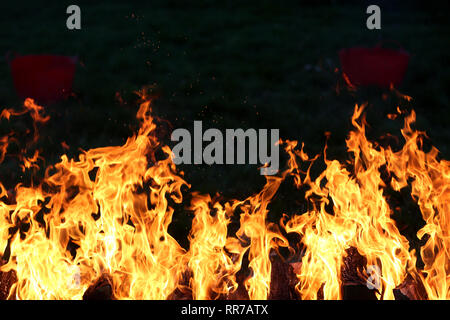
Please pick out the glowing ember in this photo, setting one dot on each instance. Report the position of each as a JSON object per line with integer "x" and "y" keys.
{"x": 113, "y": 205}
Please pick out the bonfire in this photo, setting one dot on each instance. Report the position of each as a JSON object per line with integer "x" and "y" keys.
{"x": 97, "y": 226}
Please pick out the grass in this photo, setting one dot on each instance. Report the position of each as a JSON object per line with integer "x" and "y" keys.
{"x": 252, "y": 64}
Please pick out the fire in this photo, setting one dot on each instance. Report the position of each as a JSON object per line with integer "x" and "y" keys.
{"x": 106, "y": 215}
{"x": 430, "y": 189}
{"x": 360, "y": 219}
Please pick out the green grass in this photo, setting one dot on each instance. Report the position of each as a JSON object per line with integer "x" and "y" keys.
{"x": 245, "y": 64}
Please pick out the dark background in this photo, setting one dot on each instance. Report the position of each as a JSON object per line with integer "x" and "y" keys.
{"x": 231, "y": 64}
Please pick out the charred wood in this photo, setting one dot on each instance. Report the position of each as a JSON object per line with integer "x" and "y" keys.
{"x": 102, "y": 289}
{"x": 7, "y": 279}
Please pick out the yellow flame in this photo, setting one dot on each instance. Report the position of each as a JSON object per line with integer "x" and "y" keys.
{"x": 112, "y": 209}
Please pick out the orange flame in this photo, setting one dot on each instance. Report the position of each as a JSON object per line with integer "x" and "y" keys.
{"x": 109, "y": 212}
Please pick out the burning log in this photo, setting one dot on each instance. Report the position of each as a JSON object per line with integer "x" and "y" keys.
{"x": 355, "y": 284}
{"x": 240, "y": 293}
{"x": 410, "y": 289}
{"x": 357, "y": 292}
{"x": 181, "y": 293}
{"x": 353, "y": 267}
{"x": 283, "y": 280}
{"x": 100, "y": 290}
{"x": 352, "y": 275}
{"x": 7, "y": 279}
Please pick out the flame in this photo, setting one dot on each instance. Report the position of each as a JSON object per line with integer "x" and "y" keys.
{"x": 212, "y": 268}
{"x": 263, "y": 237}
{"x": 360, "y": 218}
{"x": 107, "y": 214}
{"x": 430, "y": 189}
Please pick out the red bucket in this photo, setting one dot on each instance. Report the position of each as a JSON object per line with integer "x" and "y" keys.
{"x": 46, "y": 78}
{"x": 374, "y": 66}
